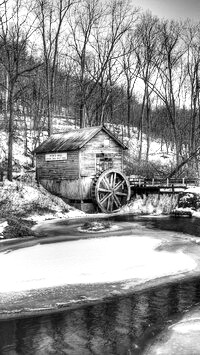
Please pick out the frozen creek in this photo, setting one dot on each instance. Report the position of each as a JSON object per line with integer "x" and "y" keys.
{"x": 127, "y": 281}
{"x": 98, "y": 260}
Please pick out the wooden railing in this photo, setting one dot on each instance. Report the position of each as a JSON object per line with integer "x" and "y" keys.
{"x": 163, "y": 182}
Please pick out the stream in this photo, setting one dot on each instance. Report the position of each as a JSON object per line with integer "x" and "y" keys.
{"x": 132, "y": 289}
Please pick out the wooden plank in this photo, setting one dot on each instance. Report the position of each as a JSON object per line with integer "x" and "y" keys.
{"x": 88, "y": 165}
{"x": 68, "y": 169}
{"x": 56, "y": 174}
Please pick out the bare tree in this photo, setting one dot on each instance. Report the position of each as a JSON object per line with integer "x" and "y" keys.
{"x": 51, "y": 15}
{"x": 130, "y": 67}
{"x": 15, "y": 31}
{"x": 84, "y": 19}
{"x": 170, "y": 75}
{"x": 96, "y": 46}
{"x": 147, "y": 53}
{"x": 192, "y": 38}
{"x": 33, "y": 102}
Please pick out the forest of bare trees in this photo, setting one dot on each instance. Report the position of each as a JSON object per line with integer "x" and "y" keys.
{"x": 98, "y": 62}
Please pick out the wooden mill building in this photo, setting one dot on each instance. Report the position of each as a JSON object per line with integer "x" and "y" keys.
{"x": 69, "y": 164}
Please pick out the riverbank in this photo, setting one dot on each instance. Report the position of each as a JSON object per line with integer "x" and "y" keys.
{"x": 24, "y": 204}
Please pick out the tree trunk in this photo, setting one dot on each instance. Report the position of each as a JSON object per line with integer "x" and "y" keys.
{"x": 148, "y": 129}
{"x": 141, "y": 126}
{"x": 82, "y": 115}
{"x": 10, "y": 137}
{"x": 49, "y": 114}
{"x": 177, "y": 146}
{"x": 128, "y": 109}
{"x": 49, "y": 118}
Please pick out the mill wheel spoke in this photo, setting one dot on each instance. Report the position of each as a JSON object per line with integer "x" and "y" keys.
{"x": 111, "y": 203}
{"x": 119, "y": 184}
{"x": 104, "y": 185}
{"x": 118, "y": 193}
{"x": 111, "y": 180}
{"x": 106, "y": 182}
{"x": 114, "y": 179}
{"x": 103, "y": 200}
{"x": 117, "y": 202}
{"x": 103, "y": 190}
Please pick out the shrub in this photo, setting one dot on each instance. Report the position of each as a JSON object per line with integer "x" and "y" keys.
{"x": 96, "y": 225}
{"x": 18, "y": 228}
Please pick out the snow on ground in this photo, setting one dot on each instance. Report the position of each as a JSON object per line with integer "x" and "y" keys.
{"x": 157, "y": 153}
{"x": 30, "y": 200}
{"x": 3, "y": 225}
{"x": 193, "y": 190}
{"x": 181, "y": 338}
{"x": 89, "y": 261}
{"x": 18, "y": 150}
{"x": 57, "y": 215}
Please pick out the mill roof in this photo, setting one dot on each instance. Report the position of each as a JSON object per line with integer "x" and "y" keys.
{"x": 73, "y": 140}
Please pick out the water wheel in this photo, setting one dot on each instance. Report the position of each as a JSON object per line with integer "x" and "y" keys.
{"x": 111, "y": 190}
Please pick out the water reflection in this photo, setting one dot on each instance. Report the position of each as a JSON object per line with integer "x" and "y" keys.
{"x": 123, "y": 325}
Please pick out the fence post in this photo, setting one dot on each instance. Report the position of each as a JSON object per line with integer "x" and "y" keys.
{"x": 167, "y": 182}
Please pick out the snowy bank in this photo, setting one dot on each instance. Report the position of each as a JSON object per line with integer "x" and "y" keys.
{"x": 24, "y": 204}
{"x": 179, "y": 338}
{"x": 3, "y": 225}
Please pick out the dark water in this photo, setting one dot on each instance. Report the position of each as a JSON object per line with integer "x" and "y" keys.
{"x": 184, "y": 225}
{"x": 122, "y": 325}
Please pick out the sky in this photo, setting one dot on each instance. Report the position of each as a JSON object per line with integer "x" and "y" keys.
{"x": 171, "y": 9}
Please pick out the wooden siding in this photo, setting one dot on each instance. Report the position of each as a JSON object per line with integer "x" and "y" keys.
{"x": 95, "y": 146}
{"x": 78, "y": 189}
{"x": 60, "y": 169}
{"x": 87, "y": 163}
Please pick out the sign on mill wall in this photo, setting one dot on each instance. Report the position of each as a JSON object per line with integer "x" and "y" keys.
{"x": 56, "y": 156}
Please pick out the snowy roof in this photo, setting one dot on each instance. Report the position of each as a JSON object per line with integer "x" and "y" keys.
{"x": 73, "y": 140}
